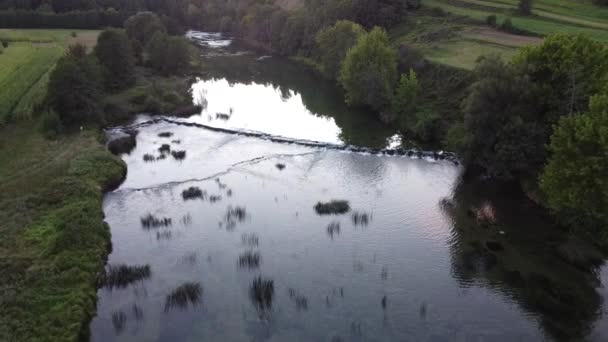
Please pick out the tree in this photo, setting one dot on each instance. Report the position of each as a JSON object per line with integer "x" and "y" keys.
{"x": 333, "y": 43}
{"x": 524, "y": 7}
{"x": 567, "y": 69}
{"x": 369, "y": 71}
{"x": 502, "y": 136}
{"x": 406, "y": 93}
{"x": 114, "y": 53}
{"x": 143, "y": 26}
{"x": 75, "y": 88}
{"x": 574, "y": 179}
{"x": 167, "y": 54}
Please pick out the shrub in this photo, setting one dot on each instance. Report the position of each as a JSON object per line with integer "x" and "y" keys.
{"x": 507, "y": 25}
{"x": 491, "y": 20}
{"x": 50, "y": 125}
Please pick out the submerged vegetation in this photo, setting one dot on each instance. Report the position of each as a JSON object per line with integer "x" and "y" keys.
{"x": 334, "y": 207}
{"x": 150, "y": 221}
{"x": 120, "y": 276}
{"x": 185, "y": 295}
{"x": 193, "y": 193}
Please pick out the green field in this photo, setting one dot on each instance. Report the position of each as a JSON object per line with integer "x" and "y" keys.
{"x": 459, "y": 35}
{"x": 25, "y": 66}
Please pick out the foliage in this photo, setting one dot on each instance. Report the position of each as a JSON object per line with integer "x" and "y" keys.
{"x": 567, "y": 70}
{"x": 333, "y": 43}
{"x": 574, "y": 179}
{"x": 74, "y": 71}
{"x": 369, "y": 71}
{"x": 167, "y": 54}
{"x": 491, "y": 20}
{"x": 406, "y": 93}
{"x": 502, "y": 136}
{"x": 524, "y": 7}
{"x": 114, "y": 52}
{"x": 54, "y": 239}
{"x": 50, "y": 125}
{"x": 143, "y": 26}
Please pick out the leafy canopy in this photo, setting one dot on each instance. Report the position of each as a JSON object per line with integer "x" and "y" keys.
{"x": 369, "y": 71}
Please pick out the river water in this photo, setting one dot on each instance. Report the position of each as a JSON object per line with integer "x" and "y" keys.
{"x": 252, "y": 260}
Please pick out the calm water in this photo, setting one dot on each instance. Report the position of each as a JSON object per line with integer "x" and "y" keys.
{"x": 408, "y": 263}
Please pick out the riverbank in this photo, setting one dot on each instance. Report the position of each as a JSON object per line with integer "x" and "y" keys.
{"x": 54, "y": 238}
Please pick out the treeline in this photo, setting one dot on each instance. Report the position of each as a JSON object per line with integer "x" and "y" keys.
{"x": 91, "y": 14}
{"x": 110, "y": 68}
{"x": 271, "y": 27}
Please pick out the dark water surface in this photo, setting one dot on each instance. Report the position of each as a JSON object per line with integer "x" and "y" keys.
{"x": 253, "y": 261}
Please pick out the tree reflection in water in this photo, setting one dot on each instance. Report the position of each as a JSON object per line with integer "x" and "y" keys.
{"x": 522, "y": 256}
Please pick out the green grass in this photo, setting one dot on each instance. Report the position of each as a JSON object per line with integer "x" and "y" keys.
{"x": 464, "y": 53}
{"x": 554, "y": 22}
{"x": 25, "y": 66}
{"x": 54, "y": 240}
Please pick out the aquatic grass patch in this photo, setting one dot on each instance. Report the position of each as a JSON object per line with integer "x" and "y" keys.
{"x": 164, "y": 235}
{"x": 333, "y": 207}
{"x": 185, "y": 295}
{"x": 193, "y": 192}
{"x": 165, "y": 134}
{"x": 215, "y": 198}
{"x": 149, "y": 158}
{"x": 250, "y": 239}
{"x": 119, "y": 321}
{"x": 164, "y": 148}
{"x": 121, "y": 276}
{"x": 250, "y": 260}
{"x": 360, "y": 218}
{"x": 150, "y": 221}
{"x": 280, "y": 166}
{"x": 333, "y": 229}
{"x": 234, "y": 215}
{"x": 261, "y": 293}
{"x": 178, "y": 155}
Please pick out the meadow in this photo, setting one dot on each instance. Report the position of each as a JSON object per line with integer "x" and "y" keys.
{"x": 455, "y": 33}
{"x": 25, "y": 65}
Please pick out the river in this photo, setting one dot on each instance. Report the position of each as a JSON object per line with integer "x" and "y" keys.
{"x": 420, "y": 255}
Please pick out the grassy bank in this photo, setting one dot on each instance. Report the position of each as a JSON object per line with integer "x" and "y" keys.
{"x": 455, "y": 32}
{"x": 54, "y": 239}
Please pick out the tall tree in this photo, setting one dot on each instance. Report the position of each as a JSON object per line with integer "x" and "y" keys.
{"x": 369, "y": 71}
{"x": 143, "y": 26}
{"x": 75, "y": 88}
{"x": 574, "y": 179}
{"x": 114, "y": 52}
{"x": 333, "y": 43}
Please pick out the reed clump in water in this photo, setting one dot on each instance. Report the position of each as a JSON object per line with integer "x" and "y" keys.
{"x": 193, "y": 192}
{"x": 250, "y": 260}
{"x": 333, "y": 229}
{"x": 149, "y": 158}
{"x": 178, "y": 155}
{"x": 165, "y": 134}
{"x": 188, "y": 293}
{"x": 150, "y": 221}
{"x": 360, "y": 219}
{"x": 261, "y": 293}
{"x": 121, "y": 276}
{"x": 251, "y": 239}
{"x": 333, "y": 207}
{"x": 164, "y": 148}
{"x": 280, "y": 166}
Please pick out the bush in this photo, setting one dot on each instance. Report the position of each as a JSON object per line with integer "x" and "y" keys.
{"x": 152, "y": 105}
{"x": 369, "y": 71}
{"x": 5, "y": 43}
{"x": 491, "y": 20}
{"x": 507, "y": 25}
{"x": 50, "y": 125}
